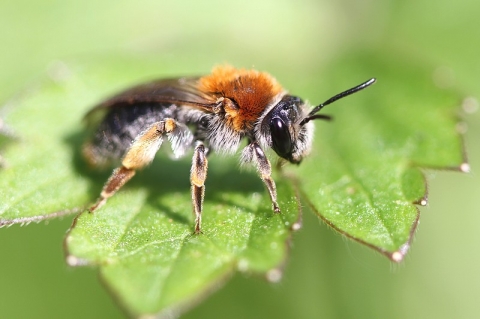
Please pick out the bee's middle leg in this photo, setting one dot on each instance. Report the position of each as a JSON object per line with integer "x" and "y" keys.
{"x": 198, "y": 175}
{"x": 254, "y": 153}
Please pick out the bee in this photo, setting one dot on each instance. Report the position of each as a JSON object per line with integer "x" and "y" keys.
{"x": 209, "y": 114}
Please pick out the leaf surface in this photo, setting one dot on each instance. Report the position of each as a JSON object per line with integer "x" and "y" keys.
{"x": 365, "y": 171}
{"x": 362, "y": 178}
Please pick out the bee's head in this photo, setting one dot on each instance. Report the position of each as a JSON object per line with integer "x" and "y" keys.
{"x": 287, "y": 129}
{"x": 281, "y": 129}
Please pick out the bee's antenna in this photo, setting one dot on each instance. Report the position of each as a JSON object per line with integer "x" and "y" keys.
{"x": 312, "y": 116}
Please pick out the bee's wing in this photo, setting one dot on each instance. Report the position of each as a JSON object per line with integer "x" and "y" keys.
{"x": 180, "y": 91}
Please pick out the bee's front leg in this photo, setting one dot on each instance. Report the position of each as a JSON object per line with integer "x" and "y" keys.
{"x": 254, "y": 153}
{"x": 140, "y": 154}
{"x": 198, "y": 175}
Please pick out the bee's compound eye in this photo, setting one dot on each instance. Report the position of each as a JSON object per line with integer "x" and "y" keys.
{"x": 281, "y": 139}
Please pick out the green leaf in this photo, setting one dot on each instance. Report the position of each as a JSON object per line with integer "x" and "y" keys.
{"x": 147, "y": 253}
{"x": 364, "y": 175}
{"x": 362, "y": 178}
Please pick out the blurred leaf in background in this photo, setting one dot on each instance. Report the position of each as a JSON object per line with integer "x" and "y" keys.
{"x": 325, "y": 277}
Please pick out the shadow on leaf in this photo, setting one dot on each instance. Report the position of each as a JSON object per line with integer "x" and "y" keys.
{"x": 165, "y": 177}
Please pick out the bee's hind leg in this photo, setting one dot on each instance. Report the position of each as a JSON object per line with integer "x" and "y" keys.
{"x": 140, "y": 154}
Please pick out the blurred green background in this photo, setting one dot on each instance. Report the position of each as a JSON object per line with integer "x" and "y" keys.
{"x": 326, "y": 276}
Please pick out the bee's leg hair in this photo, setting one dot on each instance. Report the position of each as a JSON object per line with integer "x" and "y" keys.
{"x": 140, "y": 154}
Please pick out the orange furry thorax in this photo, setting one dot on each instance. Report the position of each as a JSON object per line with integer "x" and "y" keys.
{"x": 246, "y": 93}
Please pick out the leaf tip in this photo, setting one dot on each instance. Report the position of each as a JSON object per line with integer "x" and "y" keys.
{"x": 470, "y": 105}
{"x": 75, "y": 261}
{"x": 465, "y": 168}
{"x": 422, "y": 201}
{"x": 274, "y": 275}
{"x": 397, "y": 256}
{"x": 296, "y": 226}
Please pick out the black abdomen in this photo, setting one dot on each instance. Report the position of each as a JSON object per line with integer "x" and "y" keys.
{"x": 119, "y": 127}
